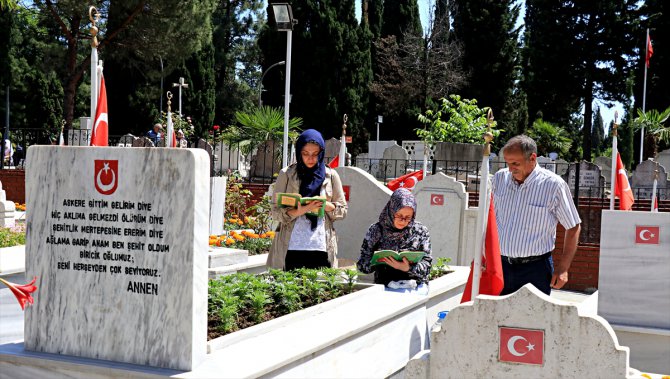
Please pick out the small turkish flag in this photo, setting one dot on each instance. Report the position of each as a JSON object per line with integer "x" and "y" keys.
{"x": 521, "y": 345}
{"x": 335, "y": 162}
{"x": 647, "y": 234}
{"x": 407, "y": 181}
{"x": 436, "y": 199}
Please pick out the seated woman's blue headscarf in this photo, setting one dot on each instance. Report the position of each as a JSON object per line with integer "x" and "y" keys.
{"x": 311, "y": 179}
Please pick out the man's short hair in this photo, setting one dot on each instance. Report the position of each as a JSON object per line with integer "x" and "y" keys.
{"x": 522, "y": 143}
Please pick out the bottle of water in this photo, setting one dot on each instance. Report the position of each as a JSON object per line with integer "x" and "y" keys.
{"x": 437, "y": 326}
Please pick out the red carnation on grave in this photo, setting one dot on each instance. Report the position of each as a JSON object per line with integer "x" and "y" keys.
{"x": 22, "y": 291}
{"x": 216, "y": 127}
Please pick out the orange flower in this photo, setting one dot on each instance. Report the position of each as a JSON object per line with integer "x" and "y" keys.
{"x": 240, "y": 222}
{"x": 229, "y": 241}
{"x": 22, "y": 292}
{"x": 238, "y": 237}
{"x": 271, "y": 234}
{"x": 263, "y": 235}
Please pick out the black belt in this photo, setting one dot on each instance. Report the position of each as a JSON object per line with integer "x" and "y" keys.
{"x": 522, "y": 260}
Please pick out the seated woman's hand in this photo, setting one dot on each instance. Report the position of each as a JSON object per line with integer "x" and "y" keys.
{"x": 398, "y": 265}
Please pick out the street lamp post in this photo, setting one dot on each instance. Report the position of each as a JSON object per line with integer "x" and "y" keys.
{"x": 181, "y": 85}
{"x": 260, "y": 87}
{"x": 380, "y": 119}
{"x": 284, "y": 18}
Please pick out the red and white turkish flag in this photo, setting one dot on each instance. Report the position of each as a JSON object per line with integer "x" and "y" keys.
{"x": 521, "y": 345}
{"x": 436, "y": 199}
{"x": 407, "y": 181}
{"x": 491, "y": 281}
{"x": 106, "y": 176}
{"x": 622, "y": 187}
{"x": 99, "y": 135}
{"x": 649, "y": 235}
{"x": 335, "y": 162}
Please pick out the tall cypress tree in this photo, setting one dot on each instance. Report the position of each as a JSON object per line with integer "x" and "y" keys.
{"x": 486, "y": 29}
{"x": 598, "y": 133}
{"x": 201, "y": 91}
{"x": 401, "y": 17}
{"x": 372, "y": 14}
{"x": 330, "y": 70}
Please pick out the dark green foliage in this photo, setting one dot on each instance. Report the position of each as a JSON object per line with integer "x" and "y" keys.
{"x": 374, "y": 10}
{"x": 201, "y": 91}
{"x": 237, "y": 25}
{"x": 598, "y": 133}
{"x": 401, "y": 17}
{"x": 577, "y": 52}
{"x": 330, "y": 68}
{"x": 487, "y": 32}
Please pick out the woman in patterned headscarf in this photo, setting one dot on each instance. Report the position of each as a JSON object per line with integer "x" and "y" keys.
{"x": 397, "y": 230}
{"x": 304, "y": 240}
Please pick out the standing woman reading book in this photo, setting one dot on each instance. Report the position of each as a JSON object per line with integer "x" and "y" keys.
{"x": 305, "y": 240}
{"x": 397, "y": 230}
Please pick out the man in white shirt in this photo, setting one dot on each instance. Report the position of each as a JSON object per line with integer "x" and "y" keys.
{"x": 529, "y": 202}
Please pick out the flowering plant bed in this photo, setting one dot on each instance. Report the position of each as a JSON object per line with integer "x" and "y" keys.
{"x": 244, "y": 240}
{"x": 242, "y": 300}
{"x": 15, "y": 236}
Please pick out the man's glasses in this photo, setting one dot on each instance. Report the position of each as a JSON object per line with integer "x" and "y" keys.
{"x": 402, "y": 219}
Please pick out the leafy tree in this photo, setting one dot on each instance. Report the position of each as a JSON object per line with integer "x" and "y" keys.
{"x": 237, "y": 25}
{"x": 490, "y": 41}
{"x": 577, "y": 52}
{"x": 455, "y": 120}
{"x": 412, "y": 72}
{"x": 200, "y": 68}
{"x": 550, "y": 138}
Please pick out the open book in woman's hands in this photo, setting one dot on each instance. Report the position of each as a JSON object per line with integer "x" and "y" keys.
{"x": 291, "y": 200}
{"x": 412, "y": 256}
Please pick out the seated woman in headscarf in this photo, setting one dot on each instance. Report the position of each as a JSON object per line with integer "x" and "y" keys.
{"x": 397, "y": 230}
{"x": 305, "y": 240}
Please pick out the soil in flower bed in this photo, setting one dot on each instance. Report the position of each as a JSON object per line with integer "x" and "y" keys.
{"x": 242, "y": 300}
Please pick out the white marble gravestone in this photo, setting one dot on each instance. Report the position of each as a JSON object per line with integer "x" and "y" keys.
{"x": 7, "y": 210}
{"x": 525, "y": 335}
{"x": 367, "y": 198}
{"x": 634, "y": 279}
{"x": 394, "y": 162}
{"x": 332, "y": 149}
{"x": 663, "y": 158}
{"x": 118, "y": 241}
{"x": 591, "y": 181}
{"x": 441, "y": 202}
{"x": 642, "y": 180}
{"x": 217, "y": 204}
{"x": 605, "y": 164}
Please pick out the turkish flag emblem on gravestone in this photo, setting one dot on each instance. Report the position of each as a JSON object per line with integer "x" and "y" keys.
{"x": 436, "y": 199}
{"x": 106, "y": 176}
{"x": 347, "y": 190}
{"x": 647, "y": 234}
{"x": 521, "y": 345}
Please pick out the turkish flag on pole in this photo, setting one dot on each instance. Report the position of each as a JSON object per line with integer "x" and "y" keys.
{"x": 335, "y": 162}
{"x": 650, "y": 50}
{"x": 99, "y": 136}
{"x": 407, "y": 181}
{"x": 491, "y": 281}
{"x": 622, "y": 187}
{"x": 171, "y": 139}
